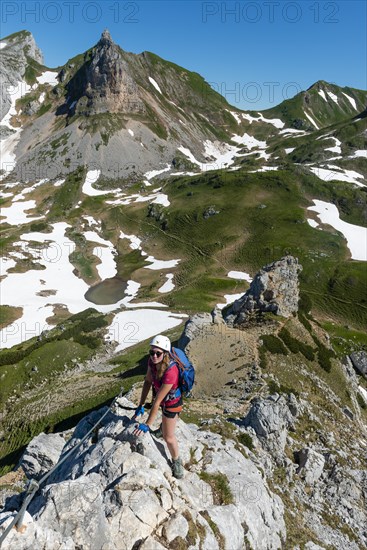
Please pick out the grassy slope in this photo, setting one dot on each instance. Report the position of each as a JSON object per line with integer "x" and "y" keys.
{"x": 324, "y": 112}
{"x": 246, "y": 236}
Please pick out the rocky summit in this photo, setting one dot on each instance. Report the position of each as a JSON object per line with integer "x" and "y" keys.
{"x": 104, "y": 83}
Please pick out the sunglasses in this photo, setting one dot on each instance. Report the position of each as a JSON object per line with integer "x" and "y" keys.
{"x": 153, "y": 353}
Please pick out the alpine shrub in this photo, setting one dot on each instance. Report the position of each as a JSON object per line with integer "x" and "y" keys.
{"x": 295, "y": 345}
{"x": 305, "y": 303}
{"x": 324, "y": 354}
{"x": 305, "y": 322}
{"x": 274, "y": 344}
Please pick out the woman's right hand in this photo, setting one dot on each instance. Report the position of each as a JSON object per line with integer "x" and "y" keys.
{"x": 141, "y": 429}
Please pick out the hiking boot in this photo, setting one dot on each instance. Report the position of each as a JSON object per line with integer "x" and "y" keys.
{"x": 177, "y": 468}
{"x": 158, "y": 432}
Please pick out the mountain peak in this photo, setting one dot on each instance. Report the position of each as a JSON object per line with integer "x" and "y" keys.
{"x": 106, "y": 39}
{"x": 23, "y": 42}
{"x": 104, "y": 83}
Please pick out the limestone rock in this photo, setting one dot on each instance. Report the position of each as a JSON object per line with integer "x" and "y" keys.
{"x": 42, "y": 453}
{"x": 311, "y": 465}
{"x": 177, "y": 526}
{"x": 193, "y": 328}
{"x": 108, "y": 496}
{"x": 14, "y": 63}
{"x": 359, "y": 360}
{"x": 228, "y": 521}
{"x": 274, "y": 289}
{"x": 104, "y": 83}
{"x": 271, "y": 418}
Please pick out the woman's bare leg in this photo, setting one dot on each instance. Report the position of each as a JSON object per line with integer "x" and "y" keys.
{"x": 168, "y": 429}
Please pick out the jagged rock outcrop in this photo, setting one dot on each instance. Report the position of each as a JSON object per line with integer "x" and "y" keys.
{"x": 104, "y": 83}
{"x": 274, "y": 289}
{"x": 113, "y": 494}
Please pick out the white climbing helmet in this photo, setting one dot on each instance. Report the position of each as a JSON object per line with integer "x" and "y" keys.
{"x": 162, "y": 342}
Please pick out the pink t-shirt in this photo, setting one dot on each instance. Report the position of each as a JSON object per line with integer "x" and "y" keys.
{"x": 171, "y": 376}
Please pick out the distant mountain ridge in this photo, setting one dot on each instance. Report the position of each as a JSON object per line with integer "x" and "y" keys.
{"x": 108, "y": 101}
{"x": 322, "y": 104}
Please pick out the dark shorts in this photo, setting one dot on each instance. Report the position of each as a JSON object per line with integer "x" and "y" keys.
{"x": 171, "y": 412}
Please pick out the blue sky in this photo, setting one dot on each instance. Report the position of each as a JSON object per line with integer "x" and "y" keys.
{"x": 256, "y": 53}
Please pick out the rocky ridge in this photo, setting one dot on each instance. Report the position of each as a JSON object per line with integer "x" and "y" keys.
{"x": 129, "y": 498}
{"x": 19, "y": 50}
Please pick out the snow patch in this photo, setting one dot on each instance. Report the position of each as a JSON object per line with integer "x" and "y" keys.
{"x": 155, "y": 84}
{"x": 311, "y": 120}
{"x": 16, "y": 213}
{"x": 332, "y": 96}
{"x": 168, "y": 286}
{"x": 289, "y": 150}
{"x": 230, "y": 298}
{"x": 336, "y": 148}
{"x": 235, "y": 115}
{"x": 135, "y": 242}
{"x": 240, "y": 275}
{"x": 274, "y": 121}
{"x": 292, "y": 131}
{"x": 329, "y": 173}
{"x": 312, "y": 223}
{"x": 57, "y": 183}
{"x": 88, "y": 189}
{"x": 107, "y": 267}
{"x": 160, "y": 264}
{"x": 355, "y": 235}
{"x": 223, "y": 155}
{"x": 3, "y": 45}
{"x": 130, "y": 327}
{"x": 8, "y": 144}
{"x": 356, "y": 154}
{"x": 322, "y": 93}
{"x": 131, "y": 132}
{"x": 351, "y": 100}
{"x": 249, "y": 141}
{"x": 48, "y": 77}
{"x": 363, "y": 392}
{"x": 153, "y": 173}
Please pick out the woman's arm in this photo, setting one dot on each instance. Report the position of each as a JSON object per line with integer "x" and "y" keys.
{"x": 146, "y": 387}
{"x": 163, "y": 391}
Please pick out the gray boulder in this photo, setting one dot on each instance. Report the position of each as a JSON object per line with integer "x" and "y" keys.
{"x": 271, "y": 418}
{"x": 311, "y": 465}
{"x": 359, "y": 360}
{"x": 42, "y": 453}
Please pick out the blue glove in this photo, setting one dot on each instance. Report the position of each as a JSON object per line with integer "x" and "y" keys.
{"x": 144, "y": 428}
{"x": 139, "y": 411}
